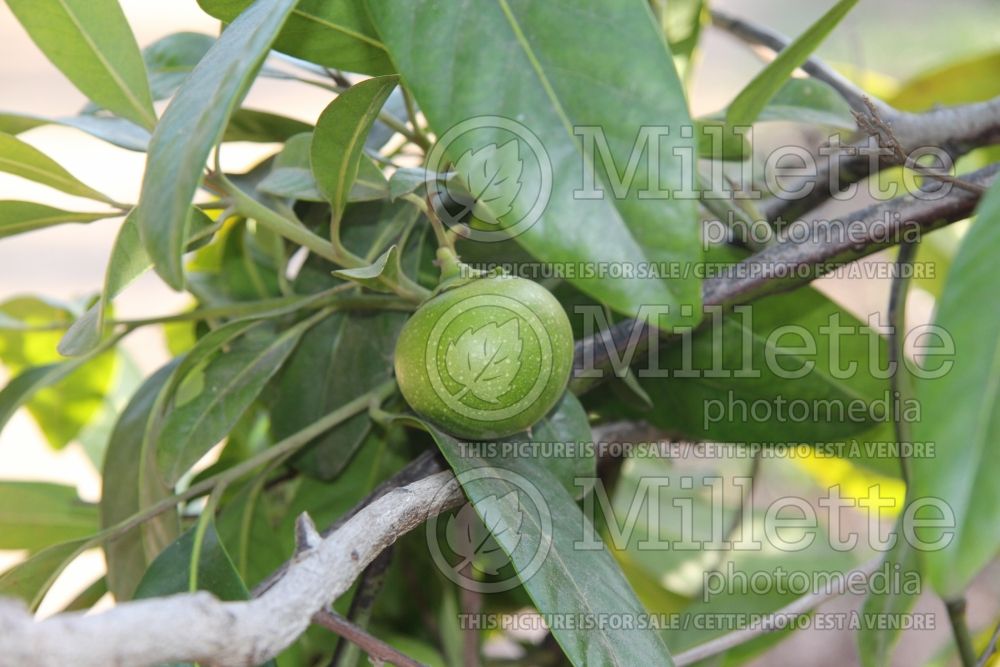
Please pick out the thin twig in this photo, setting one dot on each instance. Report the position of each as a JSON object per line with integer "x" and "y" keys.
{"x": 374, "y": 647}
{"x": 814, "y": 67}
{"x": 898, "y": 381}
{"x": 959, "y": 628}
{"x": 990, "y": 648}
{"x": 770, "y": 623}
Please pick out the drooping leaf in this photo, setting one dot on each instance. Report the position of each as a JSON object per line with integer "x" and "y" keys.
{"x": 195, "y": 122}
{"x": 128, "y": 261}
{"x": 34, "y": 515}
{"x": 26, "y": 161}
{"x": 91, "y": 43}
{"x": 750, "y": 101}
{"x": 339, "y": 139}
{"x": 333, "y": 34}
{"x": 18, "y": 217}
{"x": 551, "y": 68}
{"x": 961, "y": 413}
{"x": 31, "y": 579}
{"x": 531, "y": 513}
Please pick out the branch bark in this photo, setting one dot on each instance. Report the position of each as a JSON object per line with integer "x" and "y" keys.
{"x": 197, "y": 627}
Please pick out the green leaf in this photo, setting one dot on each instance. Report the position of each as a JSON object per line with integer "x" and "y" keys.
{"x": 169, "y": 60}
{"x": 339, "y": 139}
{"x": 961, "y": 413}
{"x": 225, "y": 388}
{"x": 333, "y": 34}
{"x": 809, "y": 101}
{"x": 62, "y": 396}
{"x": 17, "y": 217}
{"x": 374, "y": 276}
{"x": 875, "y": 641}
{"x": 31, "y": 579}
{"x": 263, "y": 127}
{"x": 128, "y": 261}
{"x": 169, "y": 573}
{"x": 352, "y": 345}
{"x": 26, "y": 161}
{"x": 91, "y": 43}
{"x": 34, "y": 515}
{"x": 749, "y": 103}
{"x": 682, "y": 21}
{"x": 116, "y": 131}
{"x": 128, "y": 556}
{"x": 406, "y": 180}
{"x": 568, "y": 580}
{"x": 192, "y": 125}
{"x": 553, "y": 68}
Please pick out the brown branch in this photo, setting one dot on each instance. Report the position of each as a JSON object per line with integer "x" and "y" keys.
{"x": 377, "y": 649}
{"x": 788, "y": 265}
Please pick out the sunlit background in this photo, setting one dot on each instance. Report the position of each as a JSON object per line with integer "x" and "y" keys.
{"x": 897, "y": 39}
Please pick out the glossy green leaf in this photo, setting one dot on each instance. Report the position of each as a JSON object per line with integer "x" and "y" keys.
{"x": 91, "y": 42}
{"x": 31, "y": 579}
{"x": 961, "y": 413}
{"x": 128, "y": 556}
{"x": 333, "y": 34}
{"x": 339, "y": 139}
{"x": 750, "y": 102}
{"x": 553, "y": 67}
{"x": 18, "y": 217}
{"x": 128, "y": 261}
{"x": 192, "y": 125}
{"x": 568, "y": 580}
{"x": 34, "y": 515}
{"x": 26, "y": 161}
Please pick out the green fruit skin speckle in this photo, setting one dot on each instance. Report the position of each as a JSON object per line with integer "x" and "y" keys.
{"x": 487, "y": 359}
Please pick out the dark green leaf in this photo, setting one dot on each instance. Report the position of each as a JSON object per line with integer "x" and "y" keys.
{"x": 961, "y": 412}
{"x": 34, "y": 515}
{"x": 195, "y": 122}
{"x": 26, "y": 161}
{"x": 749, "y": 103}
{"x": 553, "y": 67}
{"x": 333, "y": 34}
{"x": 262, "y": 127}
{"x": 170, "y": 572}
{"x": 339, "y": 139}
{"x": 91, "y": 43}
{"x": 533, "y": 512}
{"x": 17, "y": 217}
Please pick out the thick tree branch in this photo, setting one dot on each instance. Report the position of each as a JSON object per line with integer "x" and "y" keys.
{"x": 197, "y": 627}
{"x": 787, "y": 265}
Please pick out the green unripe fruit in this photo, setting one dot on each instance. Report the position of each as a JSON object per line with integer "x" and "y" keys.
{"x": 486, "y": 359}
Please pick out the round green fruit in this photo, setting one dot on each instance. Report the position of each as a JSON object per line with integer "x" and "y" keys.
{"x": 486, "y": 359}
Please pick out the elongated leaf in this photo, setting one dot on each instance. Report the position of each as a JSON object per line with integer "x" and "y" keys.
{"x": 34, "y": 515}
{"x": 961, "y": 413}
{"x": 194, "y": 123}
{"x": 127, "y": 556}
{"x": 31, "y": 579}
{"x": 26, "y": 161}
{"x": 548, "y": 75}
{"x": 876, "y": 641}
{"x": 91, "y": 43}
{"x": 17, "y": 217}
{"x": 334, "y": 34}
{"x": 567, "y": 580}
{"x": 228, "y": 385}
{"x": 963, "y": 82}
{"x": 262, "y": 127}
{"x": 170, "y": 572}
{"x": 116, "y": 131}
{"x": 339, "y": 139}
{"x": 748, "y": 104}
{"x": 128, "y": 261}
{"x": 169, "y": 60}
